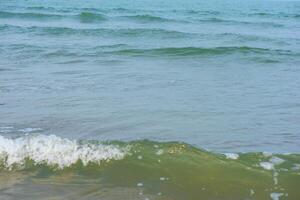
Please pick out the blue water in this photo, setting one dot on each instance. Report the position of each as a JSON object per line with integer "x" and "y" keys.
{"x": 221, "y": 75}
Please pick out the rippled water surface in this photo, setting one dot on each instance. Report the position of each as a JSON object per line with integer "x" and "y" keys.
{"x": 149, "y": 100}
{"x": 221, "y": 75}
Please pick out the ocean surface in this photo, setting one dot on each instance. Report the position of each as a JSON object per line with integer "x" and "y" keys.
{"x": 149, "y": 99}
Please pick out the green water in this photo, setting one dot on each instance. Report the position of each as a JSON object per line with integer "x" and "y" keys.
{"x": 156, "y": 171}
{"x": 117, "y": 99}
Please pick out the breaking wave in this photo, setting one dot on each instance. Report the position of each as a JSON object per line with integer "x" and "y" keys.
{"x": 172, "y": 169}
{"x": 55, "y": 151}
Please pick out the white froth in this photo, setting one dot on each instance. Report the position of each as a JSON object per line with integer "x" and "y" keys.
{"x": 272, "y": 162}
{"x": 140, "y": 184}
{"x": 53, "y": 150}
{"x": 233, "y": 156}
{"x": 6, "y": 129}
{"x": 296, "y": 167}
{"x": 267, "y": 165}
{"x": 276, "y": 160}
{"x": 29, "y": 130}
{"x": 160, "y": 152}
{"x": 267, "y": 154}
{"x": 276, "y": 196}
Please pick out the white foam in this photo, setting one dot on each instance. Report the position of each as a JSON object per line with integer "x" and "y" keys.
{"x": 160, "y": 152}
{"x": 296, "y": 167}
{"x": 6, "y": 129}
{"x": 140, "y": 184}
{"x": 56, "y": 151}
{"x": 233, "y": 156}
{"x": 267, "y": 154}
{"x": 267, "y": 165}
{"x": 29, "y": 130}
{"x": 276, "y": 161}
{"x": 276, "y": 196}
{"x": 272, "y": 162}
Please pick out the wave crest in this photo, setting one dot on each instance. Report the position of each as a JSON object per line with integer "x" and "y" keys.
{"x": 148, "y": 18}
{"x": 55, "y": 151}
{"x": 87, "y": 17}
{"x": 28, "y": 15}
{"x": 197, "y": 51}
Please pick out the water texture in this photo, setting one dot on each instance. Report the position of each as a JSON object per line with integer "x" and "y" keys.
{"x": 140, "y": 99}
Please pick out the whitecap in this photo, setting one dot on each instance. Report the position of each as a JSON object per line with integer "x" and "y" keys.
{"x": 296, "y": 167}
{"x": 267, "y": 154}
{"x": 267, "y": 165}
{"x": 29, "y": 130}
{"x": 276, "y": 196}
{"x": 160, "y": 152}
{"x": 56, "y": 151}
{"x": 140, "y": 184}
{"x": 276, "y": 161}
{"x": 233, "y": 156}
{"x": 6, "y": 129}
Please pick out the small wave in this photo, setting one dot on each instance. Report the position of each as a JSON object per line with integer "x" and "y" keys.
{"x": 29, "y": 15}
{"x": 197, "y": 51}
{"x": 237, "y": 22}
{"x": 142, "y": 32}
{"x": 84, "y": 17}
{"x": 54, "y": 151}
{"x": 43, "y": 8}
{"x": 201, "y": 12}
{"x": 252, "y": 37}
{"x": 233, "y": 156}
{"x": 174, "y": 170}
{"x": 148, "y": 18}
{"x": 244, "y": 37}
{"x": 138, "y": 32}
{"x": 275, "y": 15}
{"x": 88, "y": 17}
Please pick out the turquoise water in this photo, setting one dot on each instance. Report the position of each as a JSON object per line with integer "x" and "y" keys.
{"x": 213, "y": 82}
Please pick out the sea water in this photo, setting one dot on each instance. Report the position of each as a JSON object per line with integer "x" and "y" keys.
{"x": 140, "y": 99}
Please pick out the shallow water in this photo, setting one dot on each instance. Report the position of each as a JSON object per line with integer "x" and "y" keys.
{"x": 49, "y": 167}
{"x": 219, "y": 75}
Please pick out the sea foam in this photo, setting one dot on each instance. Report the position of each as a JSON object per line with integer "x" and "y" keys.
{"x": 272, "y": 162}
{"x": 233, "y": 156}
{"x": 55, "y": 151}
